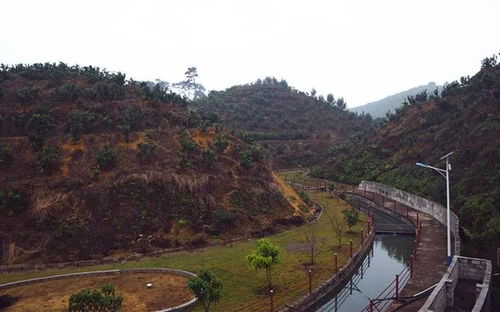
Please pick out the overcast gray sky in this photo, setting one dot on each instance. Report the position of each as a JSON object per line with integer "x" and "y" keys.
{"x": 361, "y": 50}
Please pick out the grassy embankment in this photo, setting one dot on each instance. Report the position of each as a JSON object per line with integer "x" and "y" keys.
{"x": 241, "y": 282}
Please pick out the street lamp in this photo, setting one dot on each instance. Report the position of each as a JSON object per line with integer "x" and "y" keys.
{"x": 445, "y": 174}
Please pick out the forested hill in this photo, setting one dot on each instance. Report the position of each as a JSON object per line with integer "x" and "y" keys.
{"x": 465, "y": 119}
{"x": 390, "y": 103}
{"x": 294, "y": 127}
{"x": 93, "y": 165}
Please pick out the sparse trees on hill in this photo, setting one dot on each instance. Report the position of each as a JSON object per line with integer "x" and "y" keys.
{"x": 48, "y": 158}
{"x": 190, "y": 86}
{"x": 105, "y": 157}
{"x": 330, "y": 99}
{"x": 341, "y": 103}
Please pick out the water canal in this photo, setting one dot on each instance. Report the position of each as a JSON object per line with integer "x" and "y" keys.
{"x": 388, "y": 256}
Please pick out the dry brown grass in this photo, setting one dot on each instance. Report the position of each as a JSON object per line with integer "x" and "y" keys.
{"x": 168, "y": 291}
{"x": 290, "y": 195}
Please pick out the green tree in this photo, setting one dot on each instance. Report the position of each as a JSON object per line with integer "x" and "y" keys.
{"x": 147, "y": 150}
{"x": 220, "y": 143}
{"x": 4, "y": 153}
{"x": 206, "y": 287}
{"x": 208, "y": 157}
{"x": 351, "y": 217}
{"x": 48, "y": 158}
{"x": 105, "y": 157}
{"x": 330, "y": 99}
{"x": 341, "y": 103}
{"x": 104, "y": 300}
{"x": 265, "y": 256}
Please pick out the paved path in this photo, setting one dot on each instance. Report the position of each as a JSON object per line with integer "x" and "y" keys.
{"x": 431, "y": 253}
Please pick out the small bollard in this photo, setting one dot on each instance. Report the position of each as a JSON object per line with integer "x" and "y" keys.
{"x": 350, "y": 244}
{"x": 415, "y": 250}
{"x": 310, "y": 281}
{"x": 362, "y": 238}
{"x": 397, "y": 286}
{"x": 411, "y": 265}
{"x": 271, "y": 296}
{"x": 336, "y": 264}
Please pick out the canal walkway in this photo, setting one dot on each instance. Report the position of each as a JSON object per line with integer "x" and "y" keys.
{"x": 430, "y": 263}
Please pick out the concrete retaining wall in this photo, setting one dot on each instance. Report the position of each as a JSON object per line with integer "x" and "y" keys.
{"x": 181, "y": 307}
{"x": 336, "y": 280}
{"x": 442, "y": 298}
{"x": 431, "y": 208}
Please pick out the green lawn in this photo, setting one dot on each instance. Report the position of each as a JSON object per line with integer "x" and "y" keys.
{"x": 241, "y": 283}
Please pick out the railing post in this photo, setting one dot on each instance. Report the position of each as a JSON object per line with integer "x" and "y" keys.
{"x": 362, "y": 238}
{"x": 370, "y": 307}
{"x": 415, "y": 250}
{"x": 417, "y": 219}
{"x": 411, "y": 265}
{"x": 397, "y": 286}
{"x": 271, "y": 296}
{"x": 310, "y": 281}
{"x": 350, "y": 244}
{"x": 336, "y": 264}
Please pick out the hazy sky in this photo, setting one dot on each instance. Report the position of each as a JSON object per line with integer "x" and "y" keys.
{"x": 361, "y": 50}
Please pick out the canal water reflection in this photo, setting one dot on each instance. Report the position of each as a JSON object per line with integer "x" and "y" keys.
{"x": 388, "y": 256}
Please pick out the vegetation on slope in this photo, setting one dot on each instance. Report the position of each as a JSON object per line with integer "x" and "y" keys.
{"x": 295, "y": 128}
{"x": 93, "y": 165}
{"x": 464, "y": 119}
{"x": 241, "y": 283}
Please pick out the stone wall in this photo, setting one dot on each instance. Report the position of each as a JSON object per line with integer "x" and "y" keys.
{"x": 429, "y": 207}
{"x": 474, "y": 269}
{"x": 181, "y": 307}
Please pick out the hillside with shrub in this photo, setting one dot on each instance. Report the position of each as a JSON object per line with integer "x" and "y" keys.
{"x": 94, "y": 165}
{"x": 295, "y": 128}
{"x": 464, "y": 119}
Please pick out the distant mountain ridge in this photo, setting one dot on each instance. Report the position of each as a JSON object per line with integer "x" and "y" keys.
{"x": 380, "y": 107}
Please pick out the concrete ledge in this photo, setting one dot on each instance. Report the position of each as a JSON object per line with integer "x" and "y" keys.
{"x": 429, "y": 207}
{"x": 181, "y": 307}
{"x": 441, "y": 299}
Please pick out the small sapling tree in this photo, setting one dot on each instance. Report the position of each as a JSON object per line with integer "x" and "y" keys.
{"x": 265, "y": 256}
{"x": 351, "y": 217}
{"x": 206, "y": 287}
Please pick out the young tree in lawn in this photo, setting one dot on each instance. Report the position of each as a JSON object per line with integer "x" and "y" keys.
{"x": 338, "y": 227}
{"x": 265, "y": 256}
{"x": 313, "y": 244}
{"x": 351, "y": 217}
{"x": 206, "y": 287}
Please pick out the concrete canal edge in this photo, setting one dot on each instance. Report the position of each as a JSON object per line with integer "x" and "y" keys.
{"x": 337, "y": 280}
{"x": 181, "y": 307}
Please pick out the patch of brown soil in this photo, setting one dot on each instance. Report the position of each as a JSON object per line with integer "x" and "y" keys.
{"x": 204, "y": 139}
{"x": 167, "y": 291}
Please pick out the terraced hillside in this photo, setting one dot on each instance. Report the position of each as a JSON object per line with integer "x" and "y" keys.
{"x": 293, "y": 127}
{"x": 465, "y": 119}
{"x": 93, "y": 165}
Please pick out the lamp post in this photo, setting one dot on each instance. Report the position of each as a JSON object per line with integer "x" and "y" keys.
{"x": 446, "y": 175}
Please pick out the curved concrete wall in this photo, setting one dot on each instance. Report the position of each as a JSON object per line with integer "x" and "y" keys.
{"x": 429, "y": 207}
{"x": 181, "y": 307}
